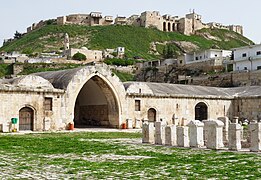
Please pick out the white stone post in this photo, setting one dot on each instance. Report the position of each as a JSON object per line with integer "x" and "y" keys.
{"x": 171, "y": 135}
{"x": 129, "y": 123}
{"x": 137, "y": 124}
{"x": 214, "y": 134}
{"x": 234, "y": 136}
{"x": 255, "y": 134}
{"x": 160, "y": 132}
{"x": 196, "y": 133}
{"x": 225, "y": 120}
{"x": 182, "y": 136}
{"x": 148, "y": 133}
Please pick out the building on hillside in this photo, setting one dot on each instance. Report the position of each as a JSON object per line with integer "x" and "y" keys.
{"x": 120, "y": 20}
{"x": 14, "y": 57}
{"x": 247, "y": 58}
{"x": 92, "y": 19}
{"x": 211, "y": 59}
{"x": 91, "y": 55}
{"x": 94, "y": 96}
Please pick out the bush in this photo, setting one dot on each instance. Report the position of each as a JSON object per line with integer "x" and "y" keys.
{"x": 119, "y": 62}
{"x": 79, "y": 56}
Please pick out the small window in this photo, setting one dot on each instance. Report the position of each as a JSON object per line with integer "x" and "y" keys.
{"x": 244, "y": 55}
{"x": 245, "y": 68}
{"x": 180, "y": 61}
{"x": 258, "y": 53}
{"x": 48, "y": 104}
{"x": 258, "y": 67}
{"x": 196, "y": 58}
{"x": 137, "y": 105}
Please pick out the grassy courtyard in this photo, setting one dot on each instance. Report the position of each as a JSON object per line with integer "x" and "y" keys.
{"x": 115, "y": 155}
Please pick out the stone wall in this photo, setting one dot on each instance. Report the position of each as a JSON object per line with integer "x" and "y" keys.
{"x": 95, "y": 115}
{"x": 177, "y": 107}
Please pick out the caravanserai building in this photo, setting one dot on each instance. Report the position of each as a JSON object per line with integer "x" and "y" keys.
{"x": 94, "y": 96}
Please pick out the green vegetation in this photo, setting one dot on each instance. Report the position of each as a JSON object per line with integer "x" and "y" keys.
{"x": 136, "y": 40}
{"x": 116, "y": 156}
{"x": 5, "y": 69}
{"x": 124, "y": 76}
{"x": 79, "y": 56}
{"x": 41, "y": 67}
{"x": 119, "y": 62}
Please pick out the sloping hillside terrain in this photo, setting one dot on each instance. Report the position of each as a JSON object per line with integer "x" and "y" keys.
{"x": 147, "y": 43}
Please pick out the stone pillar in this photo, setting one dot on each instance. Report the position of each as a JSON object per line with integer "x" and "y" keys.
{"x": 182, "y": 136}
{"x": 225, "y": 120}
{"x": 214, "y": 134}
{"x": 137, "y": 124}
{"x": 196, "y": 133}
{"x": 235, "y": 119}
{"x": 160, "y": 132}
{"x": 148, "y": 133}
{"x": 234, "y": 136}
{"x": 171, "y": 135}
{"x": 255, "y": 134}
{"x": 205, "y": 131}
{"x": 129, "y": 123}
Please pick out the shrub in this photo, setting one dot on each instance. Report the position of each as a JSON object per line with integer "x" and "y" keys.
{"x": 79, "y": 56}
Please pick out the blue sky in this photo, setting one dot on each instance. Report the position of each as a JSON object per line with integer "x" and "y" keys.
{"x": 19, "y": 14}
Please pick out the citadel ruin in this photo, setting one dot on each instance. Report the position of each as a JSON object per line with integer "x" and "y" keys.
{"x": 186, "y": 25}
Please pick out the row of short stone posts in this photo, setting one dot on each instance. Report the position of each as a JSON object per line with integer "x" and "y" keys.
{"x": 192, "y": 134}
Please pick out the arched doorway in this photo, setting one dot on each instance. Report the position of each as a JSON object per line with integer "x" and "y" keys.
{"x": 164, "y": 26}
{"x": 169, "y": 27}
{"x": 173, "y": 27}
{"x": 152, "y": 115}
{"x": 201, "y": 111}
{"x": 96, "y": 105}
{"x": 26, "y": 119}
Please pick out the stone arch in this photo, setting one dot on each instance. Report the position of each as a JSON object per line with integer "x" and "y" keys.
{"x": 201, "y": 111}
{"x": 169, "y": 27}
{"x": 26, "y": 118}
{"x": 96, "y": 104}
{"x": 72, "y": 81}
{"x": 173, "y": 27}
{"x": 164, "y": 26}
{"x": 152, "y": 114}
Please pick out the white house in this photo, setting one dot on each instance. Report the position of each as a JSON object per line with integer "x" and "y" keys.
{"x": 201, "y": 56}
{"x": 247, "y": 58}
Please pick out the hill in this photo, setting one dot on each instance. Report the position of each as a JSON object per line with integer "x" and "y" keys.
{"x": 147, "y": 43}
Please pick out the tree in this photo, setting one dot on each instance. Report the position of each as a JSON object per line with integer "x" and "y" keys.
{"x": 168, "y": 51}
{"x": 79, "y": 56}
{"x": 17, "y": 35}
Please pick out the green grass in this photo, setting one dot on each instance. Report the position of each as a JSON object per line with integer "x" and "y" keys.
{"x": 124, "y": 76}
{"x": 5, "y": 69}
{"x": 103, "y": 156}
{"x": 42, "y": 67}
{"x": 136, "y": 40}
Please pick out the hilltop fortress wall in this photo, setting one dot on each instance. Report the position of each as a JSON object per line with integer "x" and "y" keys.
{"x": 187, "y": 25}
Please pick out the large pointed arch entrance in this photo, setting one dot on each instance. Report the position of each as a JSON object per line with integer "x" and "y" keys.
{"x": 201, "y": 111}
{"x": 96, "y": 105}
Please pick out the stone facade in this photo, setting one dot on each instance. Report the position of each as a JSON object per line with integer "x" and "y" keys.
{"x": 91, "y": 55}
{"x": 188, "y": 24}
{"x": 93, "y": 95}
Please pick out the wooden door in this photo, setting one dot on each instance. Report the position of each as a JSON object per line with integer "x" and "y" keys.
{"x": 26, "y": 119}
